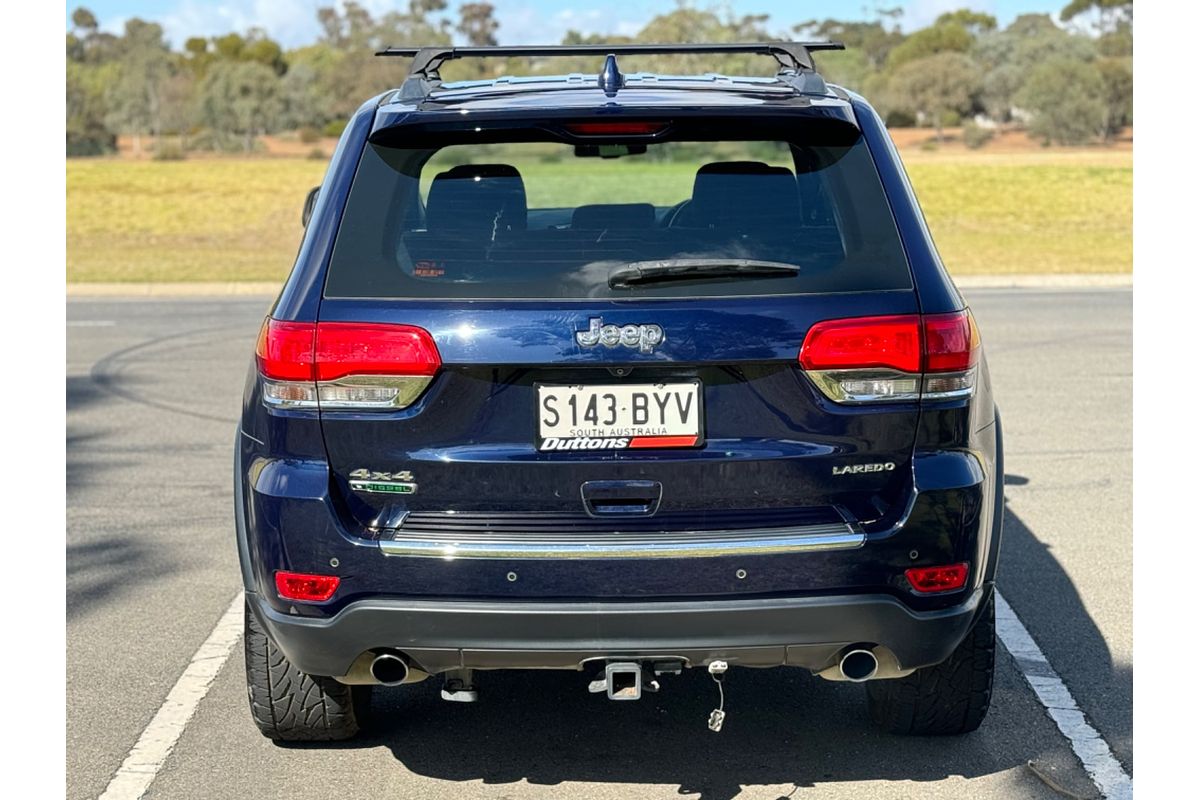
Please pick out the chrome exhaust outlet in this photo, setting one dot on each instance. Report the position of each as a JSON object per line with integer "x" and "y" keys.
{"x": 389, "y": 669}
{"x": 858, "y": 665}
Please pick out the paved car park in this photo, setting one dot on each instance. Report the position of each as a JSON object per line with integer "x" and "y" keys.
{"x": 153, "y": 388}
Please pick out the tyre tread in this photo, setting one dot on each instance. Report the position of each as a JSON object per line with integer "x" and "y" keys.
{"x": 292, "y": 706}
{"x": 945, "y": 699}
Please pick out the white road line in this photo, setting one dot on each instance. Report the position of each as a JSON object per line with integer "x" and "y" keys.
{"x": 91, "y": 323}
{"x": 1103, "y": 768}
{"x": 156, "y": 742}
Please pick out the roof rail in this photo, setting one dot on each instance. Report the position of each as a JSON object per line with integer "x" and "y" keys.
{"x": 793, "y": 57}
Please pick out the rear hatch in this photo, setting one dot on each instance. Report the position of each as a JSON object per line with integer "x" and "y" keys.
{"x": 609, "y": 319}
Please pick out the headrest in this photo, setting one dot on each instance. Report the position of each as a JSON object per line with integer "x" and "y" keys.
{"x": 613, "y": 215}
{"x": 477, "y": 198}
{"x": 743, "y": 193}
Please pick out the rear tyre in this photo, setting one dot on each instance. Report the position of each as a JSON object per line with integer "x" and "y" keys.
{"x": 291, "y": 706}
{"x": 945, "y": 699}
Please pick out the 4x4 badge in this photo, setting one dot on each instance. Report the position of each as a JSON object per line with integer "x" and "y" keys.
{"x": 374, "y": 482}
{"x": 644, "y": 337}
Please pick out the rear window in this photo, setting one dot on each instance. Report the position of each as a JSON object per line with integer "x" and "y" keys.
{"x": 548, "y": 219}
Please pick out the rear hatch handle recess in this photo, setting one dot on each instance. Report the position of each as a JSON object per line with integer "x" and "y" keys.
{"x": 621, "y": 498}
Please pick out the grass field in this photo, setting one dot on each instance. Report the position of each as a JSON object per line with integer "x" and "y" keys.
{"x": 239, "y": 219}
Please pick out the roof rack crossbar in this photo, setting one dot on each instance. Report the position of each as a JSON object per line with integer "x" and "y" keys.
{"x": 790, "y": 55}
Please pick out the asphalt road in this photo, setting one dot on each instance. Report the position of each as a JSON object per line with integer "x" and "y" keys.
{"x": 153, "y": 394}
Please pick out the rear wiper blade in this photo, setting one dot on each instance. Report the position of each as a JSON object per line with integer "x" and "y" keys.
{"x": 687, "y": 269}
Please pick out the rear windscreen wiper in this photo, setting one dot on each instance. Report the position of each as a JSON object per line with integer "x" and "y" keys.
{"x": 687, "y": 269}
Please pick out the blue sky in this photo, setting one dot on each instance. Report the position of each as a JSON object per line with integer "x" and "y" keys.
{"x": 293, "y": 22}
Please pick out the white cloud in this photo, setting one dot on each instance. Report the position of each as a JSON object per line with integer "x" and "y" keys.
{"x": 920, "y": 13}
{"x": 524, "y": 24}
{"x": 290, "y": 22}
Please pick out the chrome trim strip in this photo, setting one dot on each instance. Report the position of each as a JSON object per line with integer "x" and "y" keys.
{"x": 702, "y": 544}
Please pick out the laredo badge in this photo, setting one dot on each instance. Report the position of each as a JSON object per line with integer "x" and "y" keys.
{"x": 858, "y": 469}
{"x": 373, "y": 482}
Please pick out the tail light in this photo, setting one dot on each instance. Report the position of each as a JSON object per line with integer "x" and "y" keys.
{"x": 894, "y": 358}
{"x": 308, "y": 588}
{"x": 937, "y": 579}
{"x": 344, "y": 365}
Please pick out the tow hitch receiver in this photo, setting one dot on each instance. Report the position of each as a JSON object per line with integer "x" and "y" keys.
{"x": 623, "y": 680}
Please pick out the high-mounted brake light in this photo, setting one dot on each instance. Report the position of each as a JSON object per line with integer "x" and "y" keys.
{"x": 304, "y": 587}
{"x": 893, "y": 358}
{"x": 937, "y": 579}
{"x": 345, "y": 365}
{"x": 616, "y": 128}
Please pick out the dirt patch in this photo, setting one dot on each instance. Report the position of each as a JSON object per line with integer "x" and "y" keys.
{"x": 1005, "y": 140}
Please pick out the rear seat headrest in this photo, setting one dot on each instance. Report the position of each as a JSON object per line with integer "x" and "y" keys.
{"x": 613, "y": 216}
{"x": 737, "y": 193}
{"x": 487, "y": 198}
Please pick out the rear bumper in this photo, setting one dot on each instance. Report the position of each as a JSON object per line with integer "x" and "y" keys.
{"x": 440, "y": 635}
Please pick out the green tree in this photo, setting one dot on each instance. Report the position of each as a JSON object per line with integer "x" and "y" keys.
{"x": 870, "y": 41}
{"x": 974, "y": 22}
{"x": 134, "y": 99}
{"x": 1008, "y": 57}
{"x": 241, "y": 99}
{"x": 477, "y": 22}
{"x": 303, "y": 97}
{"x": 352, "y": 36}
{"x": 1112, "y": 13}
{"x": 867, "y": 47}
{"x": 945, "y": 37}
{"x": 254, "y": 46}
{"x": 84, "y": 21}
{"x": 935, "y": 85}
{"x": 1065, "y": 98}
{"x": 177, "y": 97}
{"x": 87, "y": 135}
{"x": 1117, "y": 75}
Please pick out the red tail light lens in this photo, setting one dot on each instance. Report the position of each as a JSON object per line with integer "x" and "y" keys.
{"x": 616, "y": 128}
{"x": 951, "y": 342}
{"x": 349, "y": 365}
{"x": 352, "y": 348}
{"x": 307, "y": 588}
{"x": 285, "y": 350}
{"x": 881, "y": 359}
{"x": 937, "y": 579}
{"x": 865, "y": 342}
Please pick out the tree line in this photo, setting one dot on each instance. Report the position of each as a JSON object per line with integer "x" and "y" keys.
{"x": 1066, "y": 81}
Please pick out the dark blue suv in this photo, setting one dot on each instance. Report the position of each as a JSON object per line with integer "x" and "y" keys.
{"x": 622, "y": 374}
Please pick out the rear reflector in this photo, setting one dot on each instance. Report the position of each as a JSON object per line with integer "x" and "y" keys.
{"x": 893, "y": 358}
{"x": 937, "y": 579}
{"x": 308, "y": 588}
{"x": 347, "y": 365}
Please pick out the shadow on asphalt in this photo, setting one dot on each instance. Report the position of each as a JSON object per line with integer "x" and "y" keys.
{"x": 784, "y": 727}
{"x": 104, "y": 566}
{"x": 1046, "y": 600}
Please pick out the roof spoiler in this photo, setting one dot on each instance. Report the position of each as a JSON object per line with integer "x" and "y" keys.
{"x": 795, "y": 58}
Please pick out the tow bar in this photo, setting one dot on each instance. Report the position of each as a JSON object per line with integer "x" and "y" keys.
{"x": 626, "y": 680}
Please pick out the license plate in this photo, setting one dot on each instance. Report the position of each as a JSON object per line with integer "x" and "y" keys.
{"x": 620, "y": 417}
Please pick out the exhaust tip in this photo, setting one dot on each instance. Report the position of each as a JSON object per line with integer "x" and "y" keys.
{"x": 858, "y": 665}
{"x": 389, "y": 669}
